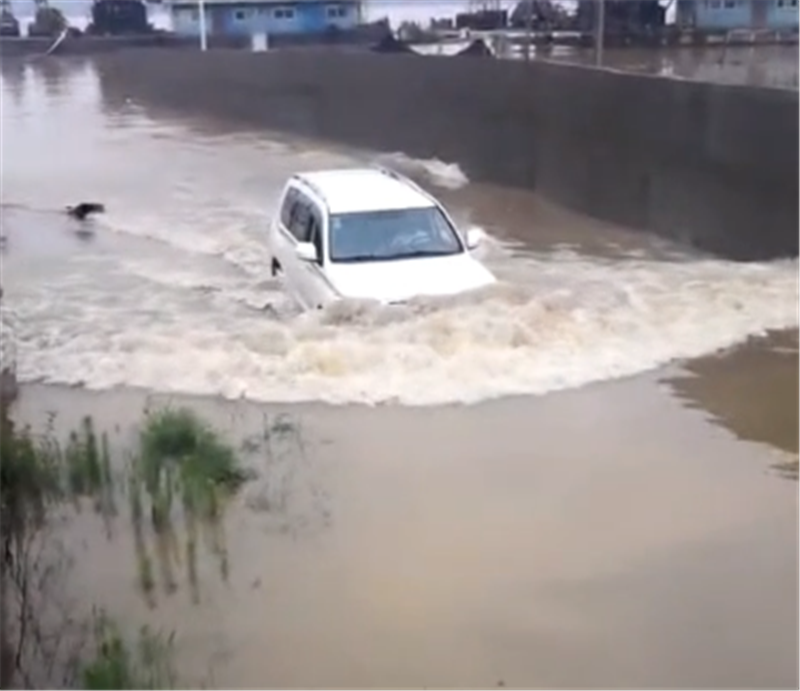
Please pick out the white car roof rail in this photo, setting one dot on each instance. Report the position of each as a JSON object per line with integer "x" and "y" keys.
{"x": 405, "y": 179}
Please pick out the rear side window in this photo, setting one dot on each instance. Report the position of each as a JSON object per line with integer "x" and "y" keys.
{"x": 298, "y": 218}
{"x": 299, "y": 215}
{"x": 286, "y": 210}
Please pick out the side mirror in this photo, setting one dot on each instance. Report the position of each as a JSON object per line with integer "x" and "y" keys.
{"x": 306, "y": 252}
{"x": 475, "y": 236}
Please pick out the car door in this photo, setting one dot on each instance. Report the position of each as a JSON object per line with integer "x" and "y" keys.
{"x": 281, "y": 242}
{"x": 292, "y": 229}
{"x": 319, "y": 291}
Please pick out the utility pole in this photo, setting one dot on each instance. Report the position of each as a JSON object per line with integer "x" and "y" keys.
{"x": 201, "y": 7}
{"x": 600, "y": 32}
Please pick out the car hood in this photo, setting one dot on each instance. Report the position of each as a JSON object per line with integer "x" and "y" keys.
{"x": 395, "y": 281}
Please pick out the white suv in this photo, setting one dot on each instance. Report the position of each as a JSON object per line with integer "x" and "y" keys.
{"x": 368, "y": 234}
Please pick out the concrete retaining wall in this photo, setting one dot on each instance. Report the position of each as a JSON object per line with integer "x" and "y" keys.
{"x": 712, "y": 165}
{"x": 88, "y": 45}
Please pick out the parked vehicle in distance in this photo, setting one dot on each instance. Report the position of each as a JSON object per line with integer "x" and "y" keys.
{"x": 9, "y": 25}
{"x": 369, "y": 234}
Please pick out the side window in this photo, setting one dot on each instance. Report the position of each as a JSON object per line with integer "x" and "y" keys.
{"x": 298, "y": 221}
{"x": 315, "y": 232}
{"x": 286, "y": 210}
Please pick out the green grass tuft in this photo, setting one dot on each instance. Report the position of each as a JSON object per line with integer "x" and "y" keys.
{"x": 116, "y": 664}
{"x": 30, "y": 479}
{"x": 178, "y": 440}
{"x": 181, "y": 454}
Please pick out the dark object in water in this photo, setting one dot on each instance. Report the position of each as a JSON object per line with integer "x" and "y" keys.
{"x": 389, "y": 44}
{"x": 84, "y": 209}
{"x": 477, "y": 48}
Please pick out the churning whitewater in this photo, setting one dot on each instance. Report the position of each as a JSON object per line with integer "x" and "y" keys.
{"x": 575, "y": 321}
{"x": 170, "y": 290}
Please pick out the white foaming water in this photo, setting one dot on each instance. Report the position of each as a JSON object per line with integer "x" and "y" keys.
{"x": 8, "y": 350}
{"x": 440, "y": 173}
{"x": 174, "y": 293}
{"x": 574, "y": 321}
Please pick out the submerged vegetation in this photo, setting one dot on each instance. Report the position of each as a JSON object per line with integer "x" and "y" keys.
{"x": 177, "y": 479}
{"x": 178, "y": 441}
{"x": 115, "y": 663}
{"x": 184, "y": 473}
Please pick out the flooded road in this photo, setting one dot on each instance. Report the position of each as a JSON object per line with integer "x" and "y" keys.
{"x": 603, "y": 534}
{"x": 179, "y": 261}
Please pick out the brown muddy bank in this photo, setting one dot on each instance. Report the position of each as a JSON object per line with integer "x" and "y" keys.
{"x": 711, "y": 165}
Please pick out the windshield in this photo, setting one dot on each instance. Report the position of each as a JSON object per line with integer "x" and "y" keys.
{"x": 386, "y": 235}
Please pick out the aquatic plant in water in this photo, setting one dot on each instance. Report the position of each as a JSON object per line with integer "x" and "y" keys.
{"x": 37, "y": 478}
{"x": 183, "y": 471}
{"x": 117, "y": 664}
{"x": 180, "y": 461}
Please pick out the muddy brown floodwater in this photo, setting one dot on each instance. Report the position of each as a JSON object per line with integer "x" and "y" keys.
{"x": 576, "y": 479}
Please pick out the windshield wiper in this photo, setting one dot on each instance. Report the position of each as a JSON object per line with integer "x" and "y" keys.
{"x": 364, "y": 258}
{"x": 394, "y": 257}
{"x": 425, "y": 253}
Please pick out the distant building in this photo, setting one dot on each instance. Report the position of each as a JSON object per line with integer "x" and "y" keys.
{"x": 117, "y": 18}
{"x": 233, "y": 18}
{"x": 482, "y": 20}
{"x": 623, "y": 17}
{"x": 727, "y": 15}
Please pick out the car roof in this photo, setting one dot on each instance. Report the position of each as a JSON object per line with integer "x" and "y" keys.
{"x": 353, "y": 190}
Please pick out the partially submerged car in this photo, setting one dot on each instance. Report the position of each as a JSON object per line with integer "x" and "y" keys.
{"x": 369, "y": 234}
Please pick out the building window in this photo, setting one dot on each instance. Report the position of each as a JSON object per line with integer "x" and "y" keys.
{"x": 730, "y": 4}
{"x": 786, "y": 3}
{"x": 284, "y": 13}
{"x": 239, "y": 15}
{"x": 336, "y": 11}
{"x": 715, "y": 4}
{"x": 194, "y": 15}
